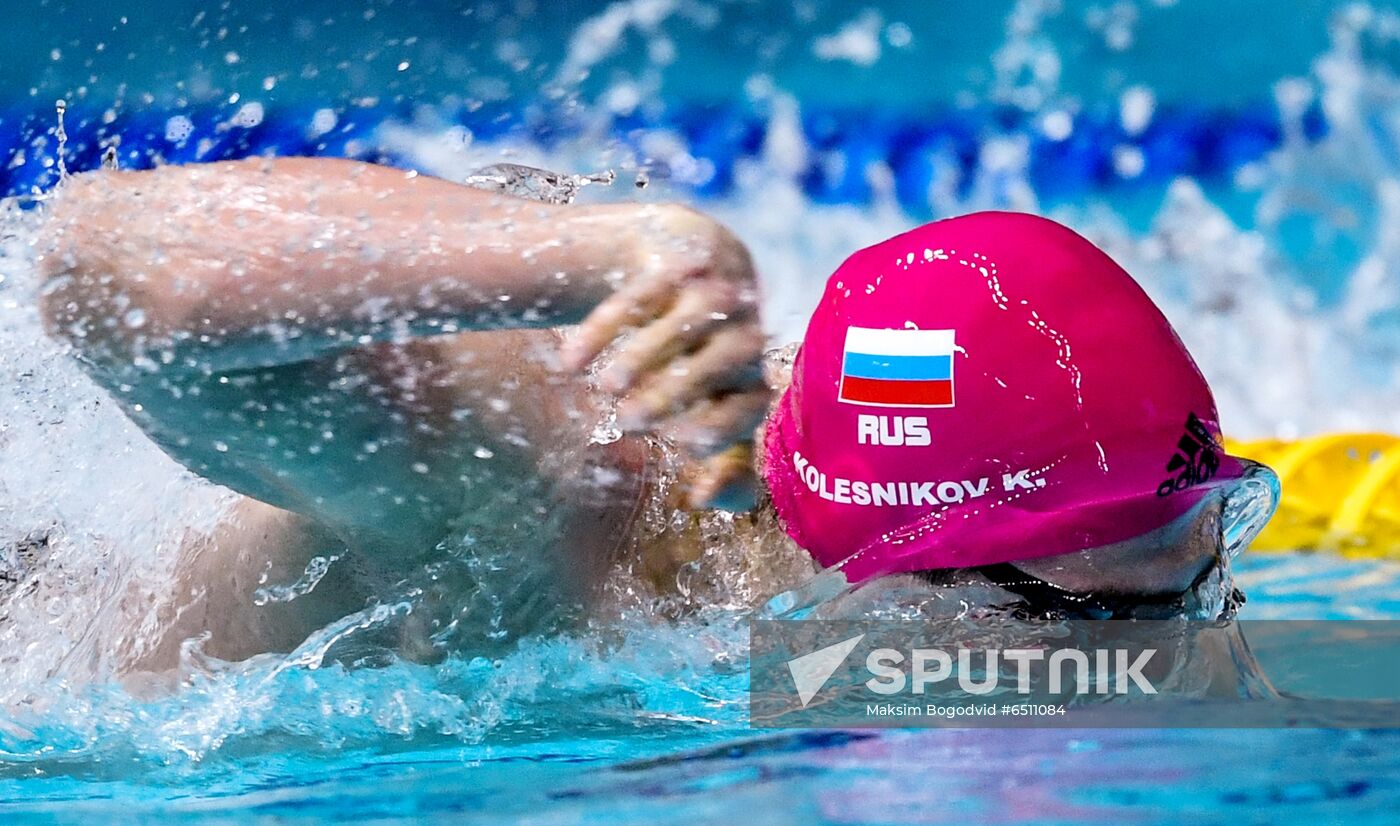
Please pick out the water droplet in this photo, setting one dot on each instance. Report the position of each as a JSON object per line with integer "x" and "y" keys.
{"x": 61, "y": 106}
{"x": 178, "y": 129}
{"x": 535, "y": 184}
{"x": 606, "y": 431}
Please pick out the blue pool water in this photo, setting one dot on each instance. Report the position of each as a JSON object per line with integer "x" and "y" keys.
{"x": 602, "y": 741}
{"x": 1245, "y": 166}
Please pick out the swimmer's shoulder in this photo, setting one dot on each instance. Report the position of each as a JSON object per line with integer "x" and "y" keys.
{"x": 255, "y": 545}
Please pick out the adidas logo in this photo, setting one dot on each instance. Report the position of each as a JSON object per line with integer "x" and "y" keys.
{"x": 1196, "y": 460}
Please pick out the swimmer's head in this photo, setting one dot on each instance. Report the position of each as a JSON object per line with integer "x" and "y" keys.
{"x": 985, "y": 389}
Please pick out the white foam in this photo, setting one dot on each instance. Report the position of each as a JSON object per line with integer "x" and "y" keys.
{"x": 857, "y": 41}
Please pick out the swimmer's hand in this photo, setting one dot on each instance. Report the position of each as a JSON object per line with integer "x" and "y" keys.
{"x": 691, "y": 366}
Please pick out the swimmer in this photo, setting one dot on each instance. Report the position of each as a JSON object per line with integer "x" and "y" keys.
{"x": 391, "y": 370}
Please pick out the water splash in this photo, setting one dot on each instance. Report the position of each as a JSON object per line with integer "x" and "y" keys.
{"x": 61, "y": 135}
{"x": 536, "y": 184}
{"x": 316, "y": 571}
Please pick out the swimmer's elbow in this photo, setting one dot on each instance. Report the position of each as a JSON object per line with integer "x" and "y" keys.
{"x": 65, "y": 260}
{"x": 97, "y": 270}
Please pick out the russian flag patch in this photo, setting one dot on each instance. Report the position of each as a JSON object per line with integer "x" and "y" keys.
{"x": 897, "y": 368}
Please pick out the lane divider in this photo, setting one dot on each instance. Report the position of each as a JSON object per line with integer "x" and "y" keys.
{"x": 924, "y": 149}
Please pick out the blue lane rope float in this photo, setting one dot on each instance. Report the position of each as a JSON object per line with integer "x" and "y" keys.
{"x": 918, "y": 148}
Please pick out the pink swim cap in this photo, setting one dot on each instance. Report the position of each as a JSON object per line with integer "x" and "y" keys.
{"x": 986, "y": 389}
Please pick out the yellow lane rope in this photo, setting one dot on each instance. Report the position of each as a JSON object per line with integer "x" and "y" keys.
{"x": 1341, "y": 493}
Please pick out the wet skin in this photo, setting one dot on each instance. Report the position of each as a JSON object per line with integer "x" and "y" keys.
{"x": 373, "y": 360}
{"x": 370, "y": 358}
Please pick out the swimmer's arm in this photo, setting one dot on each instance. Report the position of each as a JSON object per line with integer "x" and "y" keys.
{"x": 277, "y": 260}
{"x": 253, "y": 263}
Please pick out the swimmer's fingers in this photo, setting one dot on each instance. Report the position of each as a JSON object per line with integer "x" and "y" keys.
{"x": 722, "y": 430}
{"x": 730, "y": 361}
{"x": 628, "y": 307}
{"x": 726, "y": 481}
{"x": 714, "y": 426}
{"x": 663, "y": 341}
